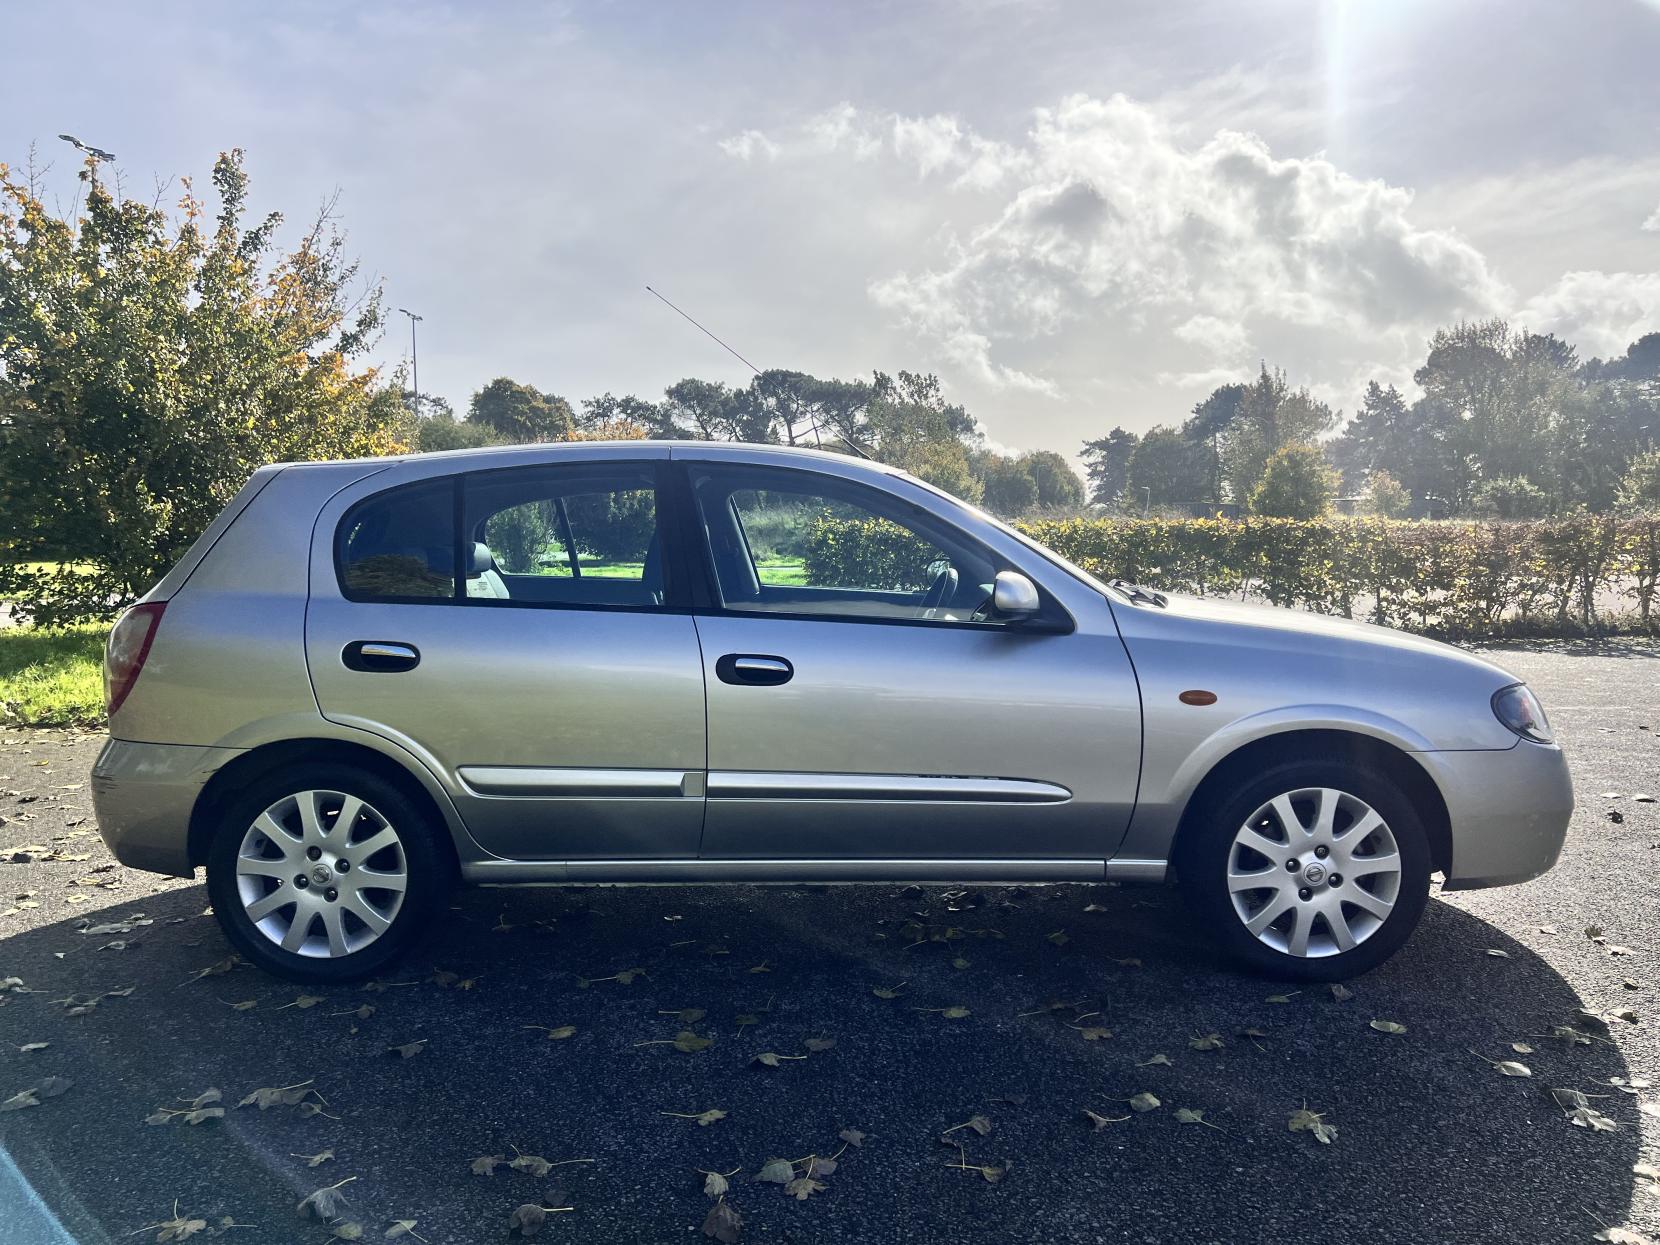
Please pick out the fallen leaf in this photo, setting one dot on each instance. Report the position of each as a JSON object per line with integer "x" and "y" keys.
{"x": 1341, "y": 992}
{"x": 723, "y": 1223}
{"x": 852, "y": 1136}
{"x": 1157, "y": 1061}
{"x": 486, "y": 1164}
{"x": 776, "y": 1171}
{"x": 324, "y": 1204}
{"x": 819, "y": 1045}
{"x": 318, "y": 1159}
{"x": 409, "y": 1049}
{"x": 1387, "y": 1026}
{"x": 714, "y": 1184}
{"x": 1145, "y": 1102}
{"x": 1589, "y": 1117}
{"x": 1305, "y": 1121}
{"x": 528, "y": 1219}
{"x": 1211, "y": 1041}
{"x": 1101, "y": 1121}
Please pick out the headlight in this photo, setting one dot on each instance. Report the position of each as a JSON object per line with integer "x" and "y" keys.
{"x": 1519, "y": 709}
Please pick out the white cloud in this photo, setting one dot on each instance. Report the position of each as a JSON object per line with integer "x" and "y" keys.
{"x": 1224, "y": 338}
{"x": 749, "y": 145}
{"x": 1600, "y": 312}
{"x": 1652, "y": 224}
{"x": 1107, "y": 216}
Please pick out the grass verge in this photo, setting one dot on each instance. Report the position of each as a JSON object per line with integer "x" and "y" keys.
{"x": 52, "y": 677}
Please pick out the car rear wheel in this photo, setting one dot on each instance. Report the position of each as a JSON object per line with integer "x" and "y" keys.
{"x": 325, "y": 873}
{"x": 1311, "y": 870}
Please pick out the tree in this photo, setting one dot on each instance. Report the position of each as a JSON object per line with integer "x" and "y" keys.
{"x": 609, "y": 417}
{"x": 1167, "y": 469}
{"x": 521, "y": 415}
{"x": 703, "y": 410}
{"x": 1009, "y": 490}
{"x": 1270, "y": 416}
{"x": 1640, "y": 490}
{"x": 1107, "y": 465}
{"x": 909, "y": 424}
{"x": 1510, "y": 497}
{"x": 1058, "y": 486}
{"x": 1385, "y": 497}
{"x": 1297, "y": 483}
{"x": 441, "y": 430}
{"x": 149, "y": 363}
{"x": 1210, "y": 422}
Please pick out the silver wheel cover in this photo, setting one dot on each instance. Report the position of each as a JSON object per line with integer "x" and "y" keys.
{"x": 321, "y": 874}
{"x": 1314, "y": 872}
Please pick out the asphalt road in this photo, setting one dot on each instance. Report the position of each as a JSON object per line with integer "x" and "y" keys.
{"x": 1432, "y": 1143}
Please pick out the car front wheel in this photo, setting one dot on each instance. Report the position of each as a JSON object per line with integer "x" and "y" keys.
{"x": 325, "y": 873}
{"x": 1311, "y": 870}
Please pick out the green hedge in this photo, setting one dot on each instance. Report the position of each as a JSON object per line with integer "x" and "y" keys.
{"x": 1557, "y": 576}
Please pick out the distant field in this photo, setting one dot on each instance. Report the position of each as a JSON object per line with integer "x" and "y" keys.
{"x": 52, "y": 677}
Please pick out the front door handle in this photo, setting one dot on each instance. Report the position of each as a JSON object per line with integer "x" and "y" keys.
{"x": 753, "y": 669}
{"x": 380, "y": 656}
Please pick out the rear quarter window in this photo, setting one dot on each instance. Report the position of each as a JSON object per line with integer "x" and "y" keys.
{"x": 400, "y": 545}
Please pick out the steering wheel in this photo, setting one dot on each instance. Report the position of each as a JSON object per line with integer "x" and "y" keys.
{"x": 939, "y": 592}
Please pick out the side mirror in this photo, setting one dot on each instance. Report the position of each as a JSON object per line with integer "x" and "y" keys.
{"x": 1014, "y": 596}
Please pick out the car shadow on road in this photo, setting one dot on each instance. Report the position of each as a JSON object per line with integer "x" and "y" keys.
{"x": 1070, "y": 994}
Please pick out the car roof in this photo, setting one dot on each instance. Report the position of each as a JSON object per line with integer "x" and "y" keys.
{"x": 590, "y": 451}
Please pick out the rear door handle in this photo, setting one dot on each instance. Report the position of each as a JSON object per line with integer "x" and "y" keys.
{"x": 753, "y": 669}
{"x": 380, "y": 656}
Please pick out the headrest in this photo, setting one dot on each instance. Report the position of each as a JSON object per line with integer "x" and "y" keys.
{"x": 481, "y": 559}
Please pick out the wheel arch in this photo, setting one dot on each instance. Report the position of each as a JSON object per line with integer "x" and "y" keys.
{"x": 1336, "y": 745}
{"x": 256, "y": 763}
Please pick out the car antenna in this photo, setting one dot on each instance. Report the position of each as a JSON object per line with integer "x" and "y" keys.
{"x": 847, "y": 441}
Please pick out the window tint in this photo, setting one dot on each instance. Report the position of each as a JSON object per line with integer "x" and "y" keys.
{"x": 579, "y": 535}
{"x": 793, "y": 542}
{"x": 400, "y": 545}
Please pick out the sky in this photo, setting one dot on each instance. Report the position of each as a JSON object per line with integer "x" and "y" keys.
{"x": 1078, "y": 215}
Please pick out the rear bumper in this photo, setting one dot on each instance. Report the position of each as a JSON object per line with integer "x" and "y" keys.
{"x": 143, "y": 795}
{"x": 1509, "y": 812}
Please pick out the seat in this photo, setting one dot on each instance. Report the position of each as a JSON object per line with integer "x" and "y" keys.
{"x": 484, "y": 582}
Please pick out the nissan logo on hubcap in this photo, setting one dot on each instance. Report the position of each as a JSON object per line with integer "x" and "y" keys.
{"x": 321, "y": 875}
{"x": 1314, "y": 874}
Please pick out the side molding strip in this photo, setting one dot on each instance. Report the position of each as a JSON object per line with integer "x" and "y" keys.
{"x": 531, "y": 782}
{"x": 737, "y": 785}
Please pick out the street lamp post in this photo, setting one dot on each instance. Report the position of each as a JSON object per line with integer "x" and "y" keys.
{"x": 414, "y": 360}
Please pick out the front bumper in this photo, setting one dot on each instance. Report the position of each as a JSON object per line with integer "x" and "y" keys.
{"x": 1509, "y": 811}
{"x": 143, "y": 795}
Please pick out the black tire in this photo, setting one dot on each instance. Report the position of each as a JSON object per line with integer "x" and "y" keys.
{"x": 1204, "y": 852}
{"x": 426, "y": 862}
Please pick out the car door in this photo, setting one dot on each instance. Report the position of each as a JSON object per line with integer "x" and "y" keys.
{"x": 864, "y": 702}
{"x": 519, "y": 629}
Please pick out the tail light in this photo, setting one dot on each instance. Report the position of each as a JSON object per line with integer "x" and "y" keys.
{"x": 129, "y": 645}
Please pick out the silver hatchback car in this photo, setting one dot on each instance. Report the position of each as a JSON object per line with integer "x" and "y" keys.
{"x": 693, "y": 662}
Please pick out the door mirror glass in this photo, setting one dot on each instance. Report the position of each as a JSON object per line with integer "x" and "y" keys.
{"x": 1014, "y": 596}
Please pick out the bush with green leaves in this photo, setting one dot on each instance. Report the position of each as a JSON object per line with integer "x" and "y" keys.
{"x": 149, "y": 362}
